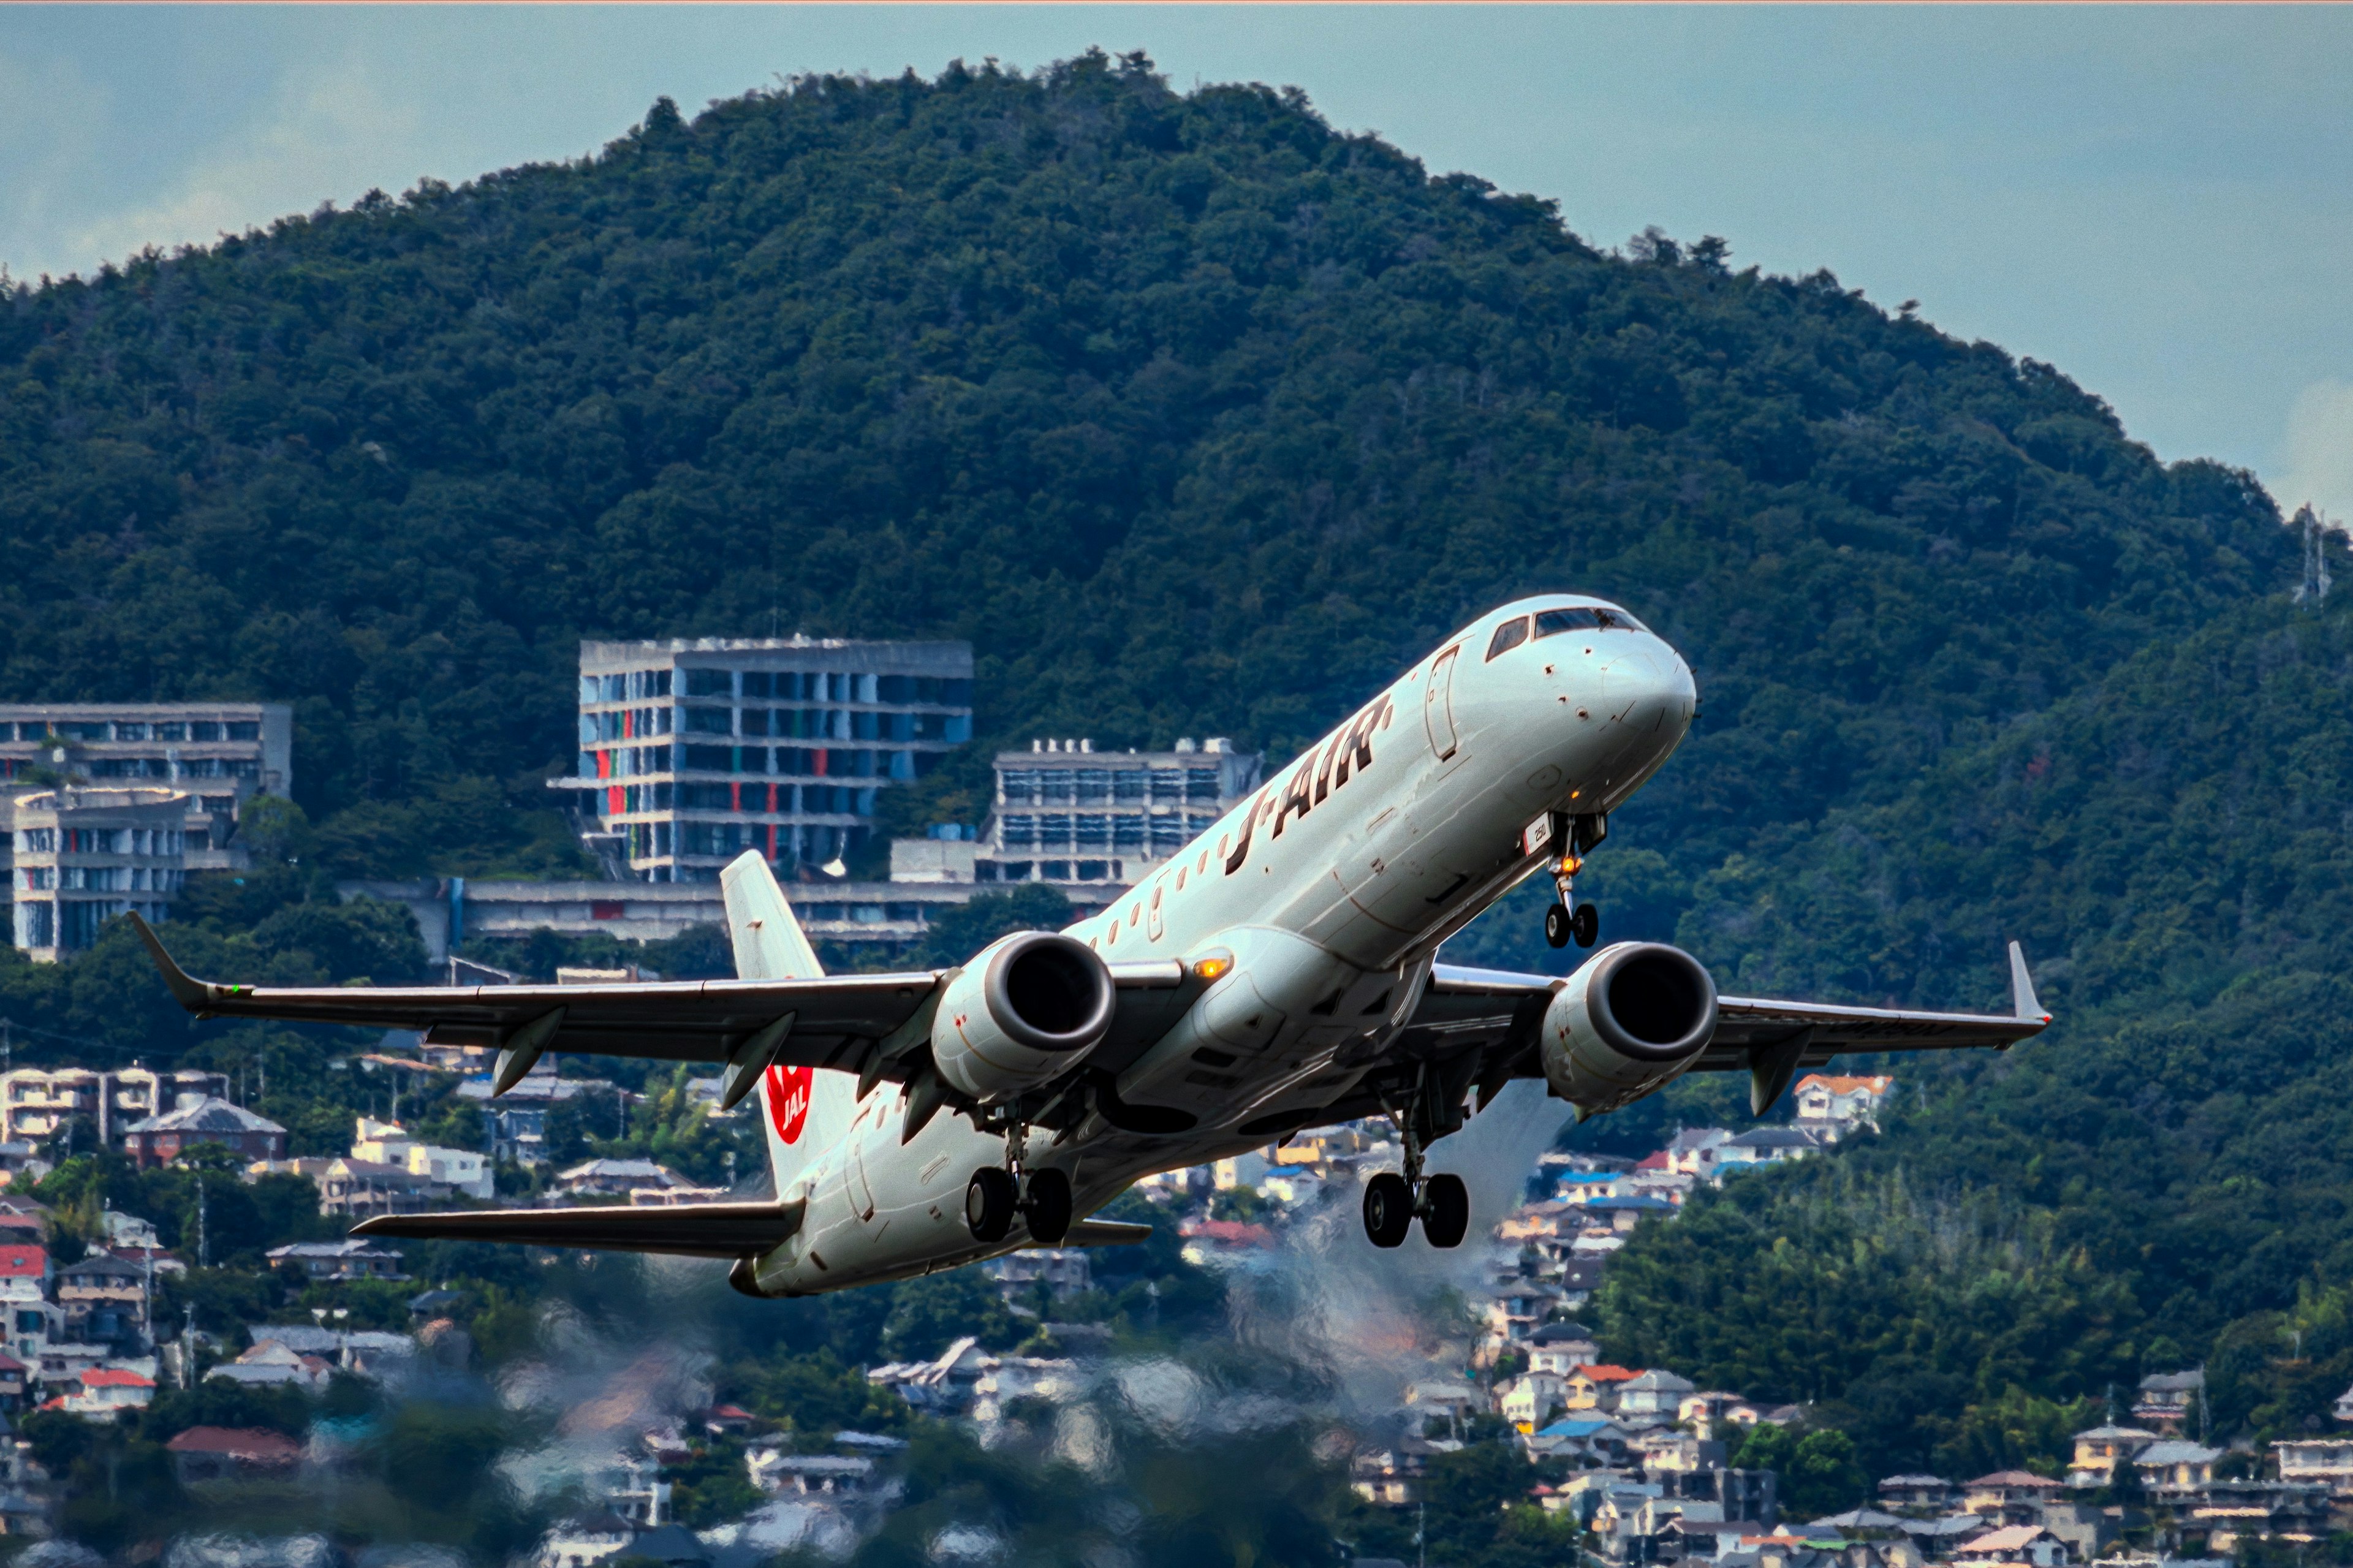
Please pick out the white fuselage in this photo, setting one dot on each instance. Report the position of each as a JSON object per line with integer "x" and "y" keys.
{"x": 1331, "y": 889}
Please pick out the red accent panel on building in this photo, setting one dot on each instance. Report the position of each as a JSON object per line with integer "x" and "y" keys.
{"x": 605, "y": 909}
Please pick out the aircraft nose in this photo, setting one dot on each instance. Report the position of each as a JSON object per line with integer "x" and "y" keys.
{"x": 1649, "y": 691}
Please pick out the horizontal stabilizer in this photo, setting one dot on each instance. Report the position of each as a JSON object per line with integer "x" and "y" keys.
{"x": 1104, "y": 1233}
{"x": 684, "y": 1230}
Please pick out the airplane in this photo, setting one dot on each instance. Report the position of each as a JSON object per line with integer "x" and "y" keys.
{"x": 1279, "y": 975}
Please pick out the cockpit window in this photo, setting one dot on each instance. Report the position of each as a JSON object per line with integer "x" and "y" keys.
{"x": 1583, "y": 620}
{"x": 1508, "y": 636}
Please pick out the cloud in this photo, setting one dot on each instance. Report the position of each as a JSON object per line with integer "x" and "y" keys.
{"x": 2318, "y": 449}
{"x": 327, "y": 136}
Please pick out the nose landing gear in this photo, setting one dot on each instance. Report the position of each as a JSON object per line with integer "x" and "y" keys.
{"x": 1570, "y": 921}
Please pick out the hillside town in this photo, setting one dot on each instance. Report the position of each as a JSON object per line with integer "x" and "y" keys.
{"x": 1643, "y": 1464}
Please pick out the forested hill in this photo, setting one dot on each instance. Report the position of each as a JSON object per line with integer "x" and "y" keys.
{"x": 1198, "y": 418}
{"x": 1196, "y": 415}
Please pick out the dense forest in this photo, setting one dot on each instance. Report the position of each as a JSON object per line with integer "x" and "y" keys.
{"x": 1197, "y": 417}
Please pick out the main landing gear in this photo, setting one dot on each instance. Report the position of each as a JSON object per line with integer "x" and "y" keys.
{"x": 996, "y": 1193}
{"x": 1392, "y": 1201}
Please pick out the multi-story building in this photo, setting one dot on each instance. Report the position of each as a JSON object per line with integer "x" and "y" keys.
{"x": 1068, "y": 812}
{"x": 692, "y": 751}
{"x": 35, "y": 1102}
{"x": 163, "y": 1138}
{"x": 82, "y": 856}
{"x": 219, "y": 753}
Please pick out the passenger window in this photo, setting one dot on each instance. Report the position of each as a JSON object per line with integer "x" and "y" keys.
{"x": 1550, "y": 622}
{"x": 1508, "y": 636}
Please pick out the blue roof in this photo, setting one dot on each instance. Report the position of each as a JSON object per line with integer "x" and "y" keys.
{"x": 1628, "y": 1203}
{"x": 1572, "y": 1429}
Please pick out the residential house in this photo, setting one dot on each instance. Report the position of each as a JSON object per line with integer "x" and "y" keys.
{"x": 1010, "y": 1377}
{"x": 808, "y": 1475}
{"x": 1528, "y": 1401}
{"x": 615, "y": 1178}
{"x": 1691, "y": 1151}
{"x": 1561, "y": 1347}
{"x": 13, "y": 1374}
{"x": 1212, "y": 1241}
{"x": 203, "y": 1454}
{"x": 2179, "y": 1466}
{"x": 463, "y": 1171}
{"x": 2228, "y": 1512}
{"x": 1391, "y": 1476}
{"x": 354, "y": 1188}
{"x": 2027, "y": 1544}
{"x": 2343, "y": 1406}
{"x": 1063, "y": 1271}
{"x": 1689, "y": 1537}
{"x": 2166, "y": 1398}
{"x": 340, "y": 1259}
{"x": 2100, "y": 1449}
{"x": 1764, "y": 1146}
{"x": 1578, "y": 1278}
{"x": 1435, "y": 1397}
{"x": 2012, "y": 1496}
{"x": 1624, "y": 1211}
{"x": 1596, "y": 1387}
{"x": 36, "y": 1103}
{"x": 941, "y": 1385}
{"x": 1921, "y": 1495}
{"x": 1740, "y": 1494}
{"x": 1707, "y": 1411}
{"x": 23, "y": 1296}
{"x": 1831, "y": 1105}
{"x": 2322, "y": 1461}
{"x": 103, "y": 1298}
{"x": 206, "y": 1118}
{"x": 107, "y": 1391}
{"x": 2086, "y": 1528}
{"x": 269, "y": 1363}
{"x": 588, "y": 1538}
{"x": 1663, "y": 1449}
{"x": 1521, "y": 1307}
{"x": 1589, "y": 1438}
{"x": 1655, "y": 1395}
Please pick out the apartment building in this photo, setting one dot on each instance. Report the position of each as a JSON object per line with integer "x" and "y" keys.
{"x": 35, "y": 1102}
{"x": 692, "y": 751}
{"x": 219, "y": 753}
{"x": 79, "y": 857}
{"x": 1069, "y": 815}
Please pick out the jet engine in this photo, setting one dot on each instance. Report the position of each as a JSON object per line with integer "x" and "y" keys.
{"x": 1027, "y": 1009}
{"x": 1632, "y": 1016}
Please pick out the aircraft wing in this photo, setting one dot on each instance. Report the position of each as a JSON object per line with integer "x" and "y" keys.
{"x": 685, "y": 1230}
{"x": 834, "y": 1021}
{"x": 1498, "y": 1014}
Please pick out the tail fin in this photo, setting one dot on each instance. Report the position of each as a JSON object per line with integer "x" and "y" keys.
{"x": 805, "y": 1112}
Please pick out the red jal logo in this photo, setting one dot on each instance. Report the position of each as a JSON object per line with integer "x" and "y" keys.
{"x": 788, "y": 1100}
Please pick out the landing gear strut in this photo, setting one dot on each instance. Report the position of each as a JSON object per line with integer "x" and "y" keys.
{"x": 1392, "y": 1201}
{"x": 997, "y": 1194}
{"x": 1569, "y": 920}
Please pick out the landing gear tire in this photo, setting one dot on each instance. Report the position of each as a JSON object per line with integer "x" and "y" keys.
{"x": 1445, "y": 1210}
{"x": 1584, "y": 925}
{"x": 1046, "y": 1206}
{"x": 1388, "y": 1209}
{"x": 1557, "y": 926}
{"x": 989, "y": 1204}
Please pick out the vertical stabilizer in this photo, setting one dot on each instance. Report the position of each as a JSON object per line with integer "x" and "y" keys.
{"x": 803, "y": 1111}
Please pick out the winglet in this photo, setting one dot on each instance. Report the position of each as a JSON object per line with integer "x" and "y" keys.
{"x": 2022, "y": 1003}
{"x": 189, "y": 992}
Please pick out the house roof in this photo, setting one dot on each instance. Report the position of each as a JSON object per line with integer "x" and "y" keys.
{"x": 1895, "y": 1481}
{"x": 2016, "y": 1479}
{"x": 1561, "y": 1333}
{"x": 1858, "y": 1519}
{"x": 2009, "y": 1538}
{"x": 101, "y": 1265}
{"x": 621, "y": 1170}
{"x": 299, "y": 1249}
{"x": 238, "y": 1442}
{"x": 23, "y": 1261}
{"x": 114, "y": 1377}
{"x": 1664, "y": 1381}
{"x": 209, "y": 1115}
{"x": 2176, "y": 1454}
{"x": 1689, "y": 1140}
{"x": 1636, "y": 1202}
{"x": 1655, "y": 1161}
{"x": 2110, "y": 1432}
{"x": 1841, "y": 1083}
{"x": 2174, "y": 1382}
{"x": 1773, "y": 1138}
{"x": 670, "y": 1543}
{"x": 1603, "y": 1371}
{"x": 1586, "y": 1428}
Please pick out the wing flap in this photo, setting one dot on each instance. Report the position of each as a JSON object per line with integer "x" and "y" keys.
{"x": 1104, "y": 1233}
{"x": 686, "y": 1230}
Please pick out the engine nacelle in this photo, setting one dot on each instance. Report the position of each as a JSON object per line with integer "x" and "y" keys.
{"x": 1634, "y": 1015}
{"x": 1027, "y": 1009}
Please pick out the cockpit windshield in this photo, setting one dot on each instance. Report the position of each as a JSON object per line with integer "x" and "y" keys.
{"x": 1585, "y": 618}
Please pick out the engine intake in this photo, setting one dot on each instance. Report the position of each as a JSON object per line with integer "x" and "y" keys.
{"x": 1631, "y": 1018}
{"x": 1027, "y": 1009}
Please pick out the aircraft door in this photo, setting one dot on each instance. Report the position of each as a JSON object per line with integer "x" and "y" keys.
{"x": 1152, "y": 918}
{"x": 1438, "y": 705}
{"x": 854, "y": 1183}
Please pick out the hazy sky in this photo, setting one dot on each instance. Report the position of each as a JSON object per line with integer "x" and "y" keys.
{"x": 2159, "y": 201}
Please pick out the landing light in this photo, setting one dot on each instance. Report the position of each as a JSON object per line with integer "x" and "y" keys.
{"x": 1213, "y": 966}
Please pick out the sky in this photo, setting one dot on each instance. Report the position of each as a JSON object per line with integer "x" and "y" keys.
{"x": 2157, "y": 200}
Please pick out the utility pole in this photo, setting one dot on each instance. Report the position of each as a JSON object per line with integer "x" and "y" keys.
{"x": 203, "y": 1249}
{"x": 188, "y": 1350}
